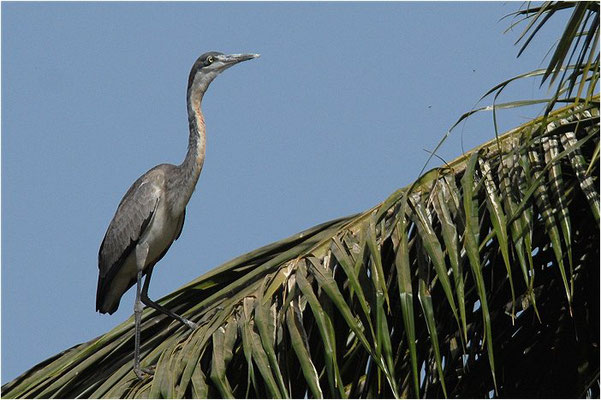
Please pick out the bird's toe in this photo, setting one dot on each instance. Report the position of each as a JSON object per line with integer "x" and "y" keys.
{"x": 191, "y": 325}
{"x": 142, "y": 373}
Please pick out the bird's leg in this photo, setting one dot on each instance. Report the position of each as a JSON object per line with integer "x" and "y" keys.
{"x": 137, "y": 316}
{"x": 146, "y": 300}
{"x": 141, "y": 253}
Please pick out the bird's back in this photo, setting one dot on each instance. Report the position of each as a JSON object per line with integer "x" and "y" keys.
{"x": 131, "y": 223}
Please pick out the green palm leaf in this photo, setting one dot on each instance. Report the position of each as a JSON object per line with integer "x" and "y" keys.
{"x": 314, "y": 315}
{"x": 501, "y": 247}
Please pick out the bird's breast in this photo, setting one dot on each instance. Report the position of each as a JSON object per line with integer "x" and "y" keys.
{"x": 161, "y": 231}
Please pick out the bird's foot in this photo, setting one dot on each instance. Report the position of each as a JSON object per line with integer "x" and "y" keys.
{"x": 142, "y": 373}
{"x": 193, "y": 326}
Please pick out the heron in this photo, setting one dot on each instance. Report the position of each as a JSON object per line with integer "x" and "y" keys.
{"x": 150, "y": 216}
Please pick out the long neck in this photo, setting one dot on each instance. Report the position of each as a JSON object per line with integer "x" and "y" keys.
{"x": 182, "y": 186}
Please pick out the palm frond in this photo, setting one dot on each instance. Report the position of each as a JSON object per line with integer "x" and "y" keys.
{"x": 461, "y": 285}
{"x": 575, "y": 57}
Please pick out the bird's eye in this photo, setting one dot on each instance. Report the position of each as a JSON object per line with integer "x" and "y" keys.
{"x": 210, "y": 60}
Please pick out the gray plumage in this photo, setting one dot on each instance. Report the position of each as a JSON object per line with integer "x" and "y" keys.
{"x": 150, "y": 217}
{"x": 133, "y": 216}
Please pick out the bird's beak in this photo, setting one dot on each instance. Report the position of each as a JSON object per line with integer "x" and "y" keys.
{"x": 231, "y": 59}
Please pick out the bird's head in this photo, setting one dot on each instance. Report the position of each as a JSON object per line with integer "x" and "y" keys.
{"x": 209, "y": 65}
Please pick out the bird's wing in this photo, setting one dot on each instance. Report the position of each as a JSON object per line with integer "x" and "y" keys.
{"x": 133, "y": 215}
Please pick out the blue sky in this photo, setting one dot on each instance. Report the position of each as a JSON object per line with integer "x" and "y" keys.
{"x": 332, "y": 118}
